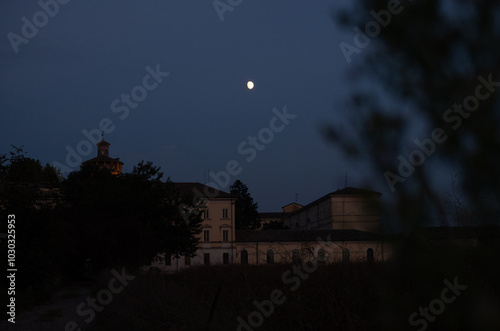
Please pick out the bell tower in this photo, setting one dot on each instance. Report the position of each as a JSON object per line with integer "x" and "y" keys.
{"x": 102, "y": 148}
{"x": 103, "y": 160}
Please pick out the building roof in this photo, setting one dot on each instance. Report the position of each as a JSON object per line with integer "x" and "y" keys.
{"x": 292, "y": 203}
{"x": 436, "y": 233}
{"x": 103, "y": 158}
{"x": 306, "y": 235}
{"x": 204, "y": 190}
{"x": 103, "y": 142}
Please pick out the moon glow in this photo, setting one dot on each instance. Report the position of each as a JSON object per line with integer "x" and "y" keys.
{"x": 250, "y": 85}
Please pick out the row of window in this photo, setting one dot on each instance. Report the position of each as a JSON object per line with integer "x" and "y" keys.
{"x": 206, "y": 235}
{"x": 296, "y": 258}
{"x": 206, "y": 213}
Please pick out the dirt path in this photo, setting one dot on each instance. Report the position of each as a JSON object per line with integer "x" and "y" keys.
{"x": 54, "y": 314}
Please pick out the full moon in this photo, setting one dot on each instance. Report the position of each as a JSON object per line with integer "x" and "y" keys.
{"x": 250, "y": 85}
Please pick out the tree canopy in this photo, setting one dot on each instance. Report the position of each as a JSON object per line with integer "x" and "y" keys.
{"x": 128, "y": 218}
{"x": 247, "y": 216}
{"x": 90, "y": 217}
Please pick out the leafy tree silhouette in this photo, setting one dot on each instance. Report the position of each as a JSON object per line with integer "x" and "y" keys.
{"x": 247, "y": 216}
{"x": 126, "y": 220}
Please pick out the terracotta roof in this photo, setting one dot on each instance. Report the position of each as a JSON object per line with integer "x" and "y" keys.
{"x": 306, "y": 235}
{"x": 205, "y": 190}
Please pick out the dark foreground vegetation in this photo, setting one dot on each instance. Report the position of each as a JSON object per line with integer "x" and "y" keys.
{"x": 343, "y": 296}
{"x": 69, "y": 230}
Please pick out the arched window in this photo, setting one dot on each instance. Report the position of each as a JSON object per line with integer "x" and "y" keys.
{"x": 270, "y": 256}
{"x": 244, "y": 257}
{"x": 369, "y": 255}
{"x": 345, "y": 255}
{"x": 296, "y": 256}
{"x": 321, "y": 256}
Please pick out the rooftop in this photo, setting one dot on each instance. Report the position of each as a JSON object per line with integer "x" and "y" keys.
{"x": 305, "y": 235}
{"x": 202, "y": 190}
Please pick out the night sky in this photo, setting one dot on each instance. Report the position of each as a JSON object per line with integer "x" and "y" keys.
{"x": 196, "y": 113}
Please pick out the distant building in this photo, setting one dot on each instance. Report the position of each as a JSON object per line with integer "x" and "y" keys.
{"x": 291, "y": 207}
{"x": 340, "y": 226}
{"x": 217, "y": 238}
{"x": 346, "y": 209}
{"x": 104, "y": 161}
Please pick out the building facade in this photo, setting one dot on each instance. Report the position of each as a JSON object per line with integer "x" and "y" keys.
{"x": 323, "y": 246}
{"x": 217, "y": 238}
{"x": 346, "y": 209}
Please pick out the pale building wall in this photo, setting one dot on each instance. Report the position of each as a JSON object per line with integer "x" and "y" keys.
{"x": 338, "y": 212}
{"x": 257, "y": 251}
{"x": 356, "y": 212}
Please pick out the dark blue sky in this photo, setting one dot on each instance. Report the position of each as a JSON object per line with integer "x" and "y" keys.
{"x": 65, "y": 79}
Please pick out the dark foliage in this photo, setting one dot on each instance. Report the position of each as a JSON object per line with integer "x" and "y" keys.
{"x": 126, "y": 220}
{"x": 247, "y": 216}
{"x": 427, "y": 60}
{"x": 430, "y": 61}
{"x": 275, "y": 225}
{"x": 71, "y": 230}
{"x": 42, "y": 243}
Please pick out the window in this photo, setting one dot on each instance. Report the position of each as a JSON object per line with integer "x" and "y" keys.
{"x": 270, "y": 256}
{"x": 369, "y": 255}
{"x": 225, "y": 258}
{"x": 296, "y": 256}
{"x": 206, "y": 258}
{"x": 244, "y": 257}
{"x": 224, "y": 213}
{"x": 225, "y": 235}
{"x": 187, "y": 260}
{"x": 206, "y": 235}
{"x": 345, "y": 255}
{"x": 206, "y": 214}
{"x": 321, "y": 256}
{"x": 168, "y": 259}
